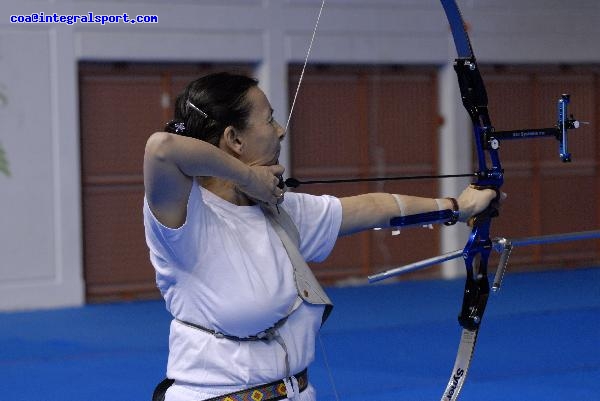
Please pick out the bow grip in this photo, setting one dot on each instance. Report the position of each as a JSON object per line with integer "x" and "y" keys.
{"x": 493, "y": 209}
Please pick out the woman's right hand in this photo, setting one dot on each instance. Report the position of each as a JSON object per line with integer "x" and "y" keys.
{"x": 261, "y": 184}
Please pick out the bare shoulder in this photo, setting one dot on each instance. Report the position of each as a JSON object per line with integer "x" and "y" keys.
{"x": 157, "y": 144}
{"x": 166, "y": 187}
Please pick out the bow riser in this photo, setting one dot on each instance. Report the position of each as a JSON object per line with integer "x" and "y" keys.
{"x": 477, "y": 288}
{"x": 490, "y": 173}
{"x": 475, "y": 100}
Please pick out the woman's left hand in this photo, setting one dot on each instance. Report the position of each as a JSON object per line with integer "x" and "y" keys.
{"x": 473, "y": 201}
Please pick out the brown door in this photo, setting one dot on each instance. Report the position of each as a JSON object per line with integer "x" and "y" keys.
{"x": 121, "y": 105}
{"x": 348, "y": 122}
{"x": 364, "y": 122}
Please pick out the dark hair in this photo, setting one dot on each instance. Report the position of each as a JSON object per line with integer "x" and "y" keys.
{"x": 221, "y": 98}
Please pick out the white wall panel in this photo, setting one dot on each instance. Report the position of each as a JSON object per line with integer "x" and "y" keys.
{"x": 27, "y": 201}
{"x": 175, "y": 46}
{"x": 36, "y": 270}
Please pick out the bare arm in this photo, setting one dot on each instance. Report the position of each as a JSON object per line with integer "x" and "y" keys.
{"x": 373, "y": 210}
{"x": 171, "y": 161}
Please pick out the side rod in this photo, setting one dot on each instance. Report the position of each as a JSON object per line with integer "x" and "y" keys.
{"x": 501, "y": 245}
{"x": 504, "y": 246}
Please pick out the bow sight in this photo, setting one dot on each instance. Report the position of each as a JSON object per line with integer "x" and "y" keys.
{"x": 559, "y": 132}
{"x": 475, "y": 100}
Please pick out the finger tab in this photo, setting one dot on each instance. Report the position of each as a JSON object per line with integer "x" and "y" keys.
{"x": 281, "y": 182}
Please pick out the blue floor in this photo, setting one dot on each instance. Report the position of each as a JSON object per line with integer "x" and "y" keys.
{"x": 540, "y": 340}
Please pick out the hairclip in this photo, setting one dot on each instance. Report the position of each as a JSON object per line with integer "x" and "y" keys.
{"x": 179, "y": 127}
{"x": 190, "y": 104}
{"x": 175, "y": 127}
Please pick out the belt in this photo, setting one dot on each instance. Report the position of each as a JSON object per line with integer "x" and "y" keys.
{"x": 266, "y": 335}
{"x": 265, "y": 392}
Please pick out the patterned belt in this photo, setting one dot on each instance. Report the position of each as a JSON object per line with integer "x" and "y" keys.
{"x": 265, "y": 392}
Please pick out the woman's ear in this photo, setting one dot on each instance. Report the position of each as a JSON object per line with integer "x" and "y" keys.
{"x": 232, "y": 140}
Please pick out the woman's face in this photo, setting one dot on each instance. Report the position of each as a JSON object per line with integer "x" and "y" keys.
{"x": 261, "y": 139}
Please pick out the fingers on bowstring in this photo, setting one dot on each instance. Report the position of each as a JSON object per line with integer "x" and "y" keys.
{"x": 281, "y": 182}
